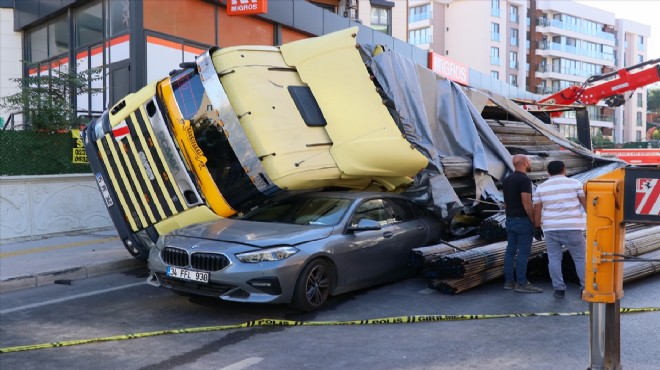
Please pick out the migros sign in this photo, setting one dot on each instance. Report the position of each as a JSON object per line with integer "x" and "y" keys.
{"x": 242, "y": 7}
{"x": 451, "y": 69}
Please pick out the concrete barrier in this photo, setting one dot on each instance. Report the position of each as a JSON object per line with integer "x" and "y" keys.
{"x": 38, "y": 206}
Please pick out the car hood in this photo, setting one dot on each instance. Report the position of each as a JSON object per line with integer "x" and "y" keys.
{"x": 256, "y": 234}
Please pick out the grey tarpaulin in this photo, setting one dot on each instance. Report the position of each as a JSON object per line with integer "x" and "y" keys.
{"x": 440, "y": 120}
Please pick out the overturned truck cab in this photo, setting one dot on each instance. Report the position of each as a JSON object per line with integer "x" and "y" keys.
{"x": 241, "y": 124}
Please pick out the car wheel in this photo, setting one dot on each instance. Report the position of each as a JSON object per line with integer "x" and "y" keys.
{"x": 313, "y": 286}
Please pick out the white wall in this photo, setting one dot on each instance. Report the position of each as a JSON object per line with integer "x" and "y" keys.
{"x": 10, "y": 55}
{"x": 36, "y": 206}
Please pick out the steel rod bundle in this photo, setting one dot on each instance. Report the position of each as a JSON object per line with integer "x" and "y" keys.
{"x": 461, "y": 271}
{"x": 422, "y": 255}
{"x": 634, "y": 270}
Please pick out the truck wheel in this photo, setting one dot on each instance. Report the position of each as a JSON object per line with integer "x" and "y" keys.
{"x": 140, "y": 253}
{"x": 313, "y": 286}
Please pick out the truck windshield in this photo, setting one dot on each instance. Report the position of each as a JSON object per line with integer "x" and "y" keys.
{"x": 222, "y": 163}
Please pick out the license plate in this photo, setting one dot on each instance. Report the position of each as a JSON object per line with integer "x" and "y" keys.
{"x": 200, "y": 276}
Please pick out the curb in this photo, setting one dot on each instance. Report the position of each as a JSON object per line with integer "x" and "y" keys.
{"x": 46, "y": 278}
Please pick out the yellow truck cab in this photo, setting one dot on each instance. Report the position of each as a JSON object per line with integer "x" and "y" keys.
{"x": 239, "y": 125}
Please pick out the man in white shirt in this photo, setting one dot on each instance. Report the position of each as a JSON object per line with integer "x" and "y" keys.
{"x": 559, "y": 205}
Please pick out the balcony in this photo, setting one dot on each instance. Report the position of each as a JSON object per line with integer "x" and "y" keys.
{"x": 544, "y": 22}
{"x": 495, "y": 36}
{"x": 495, "y": 61}
{"x": 419, "y": 17}
{"x": 513, "y": 64}
{"x": 641, "y": 47}
{"x": 545, "y": 45}
{"x": 495, "y": 12}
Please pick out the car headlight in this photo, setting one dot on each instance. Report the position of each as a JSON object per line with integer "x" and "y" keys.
{"x": 270, "y": 254}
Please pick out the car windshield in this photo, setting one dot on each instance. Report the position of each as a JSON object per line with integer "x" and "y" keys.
{"x": 301, "y": 211}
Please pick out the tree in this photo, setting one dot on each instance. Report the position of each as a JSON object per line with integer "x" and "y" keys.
{"x": 653, "y": 100}
{"x": 44, "y": 99}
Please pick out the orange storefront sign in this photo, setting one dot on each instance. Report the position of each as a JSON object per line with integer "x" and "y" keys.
{"x": 242, "y": 7}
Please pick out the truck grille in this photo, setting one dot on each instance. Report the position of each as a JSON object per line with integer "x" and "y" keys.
{"x": 209, "y": 261}
{"x": 174, "y": 256}
{"x": 139, "y": 171}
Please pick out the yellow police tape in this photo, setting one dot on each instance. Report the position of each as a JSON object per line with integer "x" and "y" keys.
{"x": 277, "y": 322}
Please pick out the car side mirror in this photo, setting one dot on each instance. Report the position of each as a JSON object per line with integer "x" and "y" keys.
{"x": 365, "y": 224}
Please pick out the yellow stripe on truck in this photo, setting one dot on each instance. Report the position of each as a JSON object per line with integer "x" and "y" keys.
{"x": 113, "y": 180}
{"x": 197, "y": 163}
{"x": 153, "y": 165}
{"x": 127, "y": 183}
{"x": 191, "y": 216}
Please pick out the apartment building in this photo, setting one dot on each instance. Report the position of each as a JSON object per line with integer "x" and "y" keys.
{"x": 542, "y": 46}
{"x": 631, "y": 49}
{"x": 10, "y": 61}
{"x": 569, "y": 42}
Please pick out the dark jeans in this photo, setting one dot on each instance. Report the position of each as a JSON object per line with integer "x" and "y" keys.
{"x": 520, "y": 233}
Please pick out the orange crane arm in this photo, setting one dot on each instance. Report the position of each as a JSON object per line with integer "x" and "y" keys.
{"x": 616, "y": 83}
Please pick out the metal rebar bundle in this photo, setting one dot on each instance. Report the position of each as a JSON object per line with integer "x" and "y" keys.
{"x": 634, "y": 270}
{"x": 460, "y": 271}
{"x": 423, "y": 255}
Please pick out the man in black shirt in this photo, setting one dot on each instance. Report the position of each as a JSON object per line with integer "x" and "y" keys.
{"x": 517, "y": 189}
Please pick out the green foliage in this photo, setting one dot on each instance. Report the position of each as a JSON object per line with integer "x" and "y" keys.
{"x": 653, "y": 100}
{"x": 45, "y": 99}
{"x": 38, "y": 153}
{"x": 656, "y": 135}
{"x": 599, "y": 142}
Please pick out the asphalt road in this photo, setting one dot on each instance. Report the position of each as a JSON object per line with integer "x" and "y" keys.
{"x": 115, "y": 305}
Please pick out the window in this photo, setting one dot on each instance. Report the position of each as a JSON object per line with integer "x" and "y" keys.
{"x": 494, "y": 31}
{"x": 420, "y": 36}
{"x": 513, "y": 60}
{"x": 495, "y": 8}
{"x": 38, "y": 45}
{"x": 639, "y": 118}
{"x": 58, "y": 37}
{"x": 513, "y": 15}
{"x": 89, "y": 25}
{"x": 494, "y": 55}
{"x": 638, "y": 136}
{"x": 373, "y": 209}
{"x": 640, "y": 58}
{"x": 419, "y": 13}
{"x": 380, "y": 19}
{"x": 495, "y": 75}
{"x": 118, "y": 17}
{"x": 640, "y": 102}
{"x": 514, "y": 37}
{"x": 513, "y": 80}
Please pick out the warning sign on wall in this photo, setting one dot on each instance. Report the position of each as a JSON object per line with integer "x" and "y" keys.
{"x": 641, "y": 195}
{"x": 78, "y": 150}
{"x": 243, "y": 7}
{"x": 647, "y": 197}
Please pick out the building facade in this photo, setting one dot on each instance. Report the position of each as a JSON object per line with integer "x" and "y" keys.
{"x": 135, "y": 42}
{"x": 630, "y": 119}
{"x": 10, "y": 52}
{"x": 570, "y": 42}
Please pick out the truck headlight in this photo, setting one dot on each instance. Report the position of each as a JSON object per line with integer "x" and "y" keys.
{"x": 270, "y": 254}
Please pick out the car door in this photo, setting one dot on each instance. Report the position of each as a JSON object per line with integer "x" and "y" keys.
{"x": 409, "y": 231}
{"x": 368, "y": 252}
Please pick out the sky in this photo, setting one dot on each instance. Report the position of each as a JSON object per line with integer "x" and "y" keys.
{"x": 642, "y": 11}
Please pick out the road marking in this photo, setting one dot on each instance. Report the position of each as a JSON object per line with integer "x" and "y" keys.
{"x": 428, "y": 291}
{"x": 64, "y": 299}
{"x": 57, "y": 247}
{"x": 244, "y": 364}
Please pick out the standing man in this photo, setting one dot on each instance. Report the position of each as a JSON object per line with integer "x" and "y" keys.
{"x": 517, "y": 189}
{"x": 558, "y": 209}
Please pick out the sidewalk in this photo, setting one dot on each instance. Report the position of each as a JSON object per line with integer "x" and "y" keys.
{"x": 28, "y": 264}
